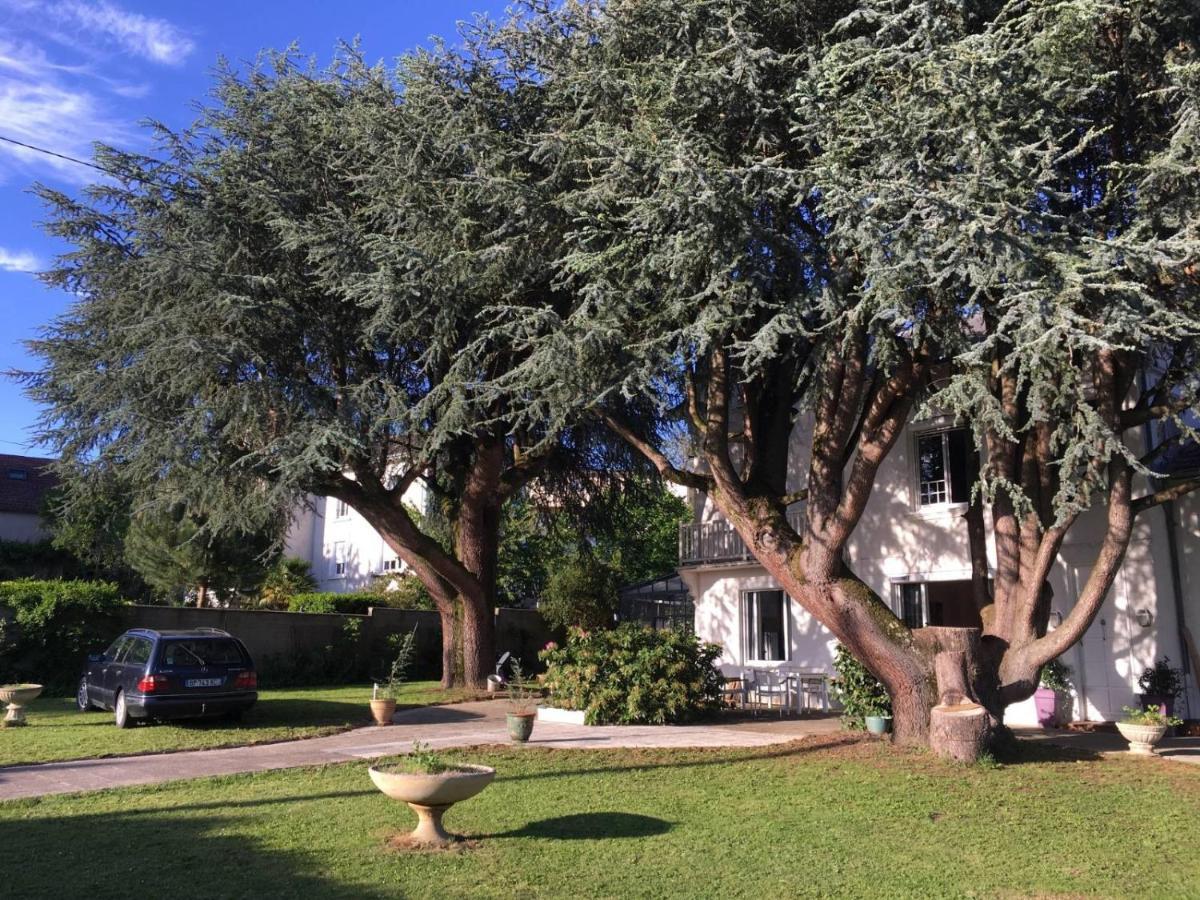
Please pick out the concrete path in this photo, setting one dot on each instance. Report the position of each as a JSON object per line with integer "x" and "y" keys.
{"x": 1110, "y": 743}
{"x": 460, "y": 725}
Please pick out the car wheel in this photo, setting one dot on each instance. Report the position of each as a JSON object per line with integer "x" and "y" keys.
{"x": 82, "y": 700}
{"x": 121, "y": 712}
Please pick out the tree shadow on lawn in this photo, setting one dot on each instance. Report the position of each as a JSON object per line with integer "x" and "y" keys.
{"x": 268, "y": 714}
{"x": 719, "y": 756}
{"x": 415, "y": 714}
{"x": 588, "y": 826}
{"x": 145, "y": 853}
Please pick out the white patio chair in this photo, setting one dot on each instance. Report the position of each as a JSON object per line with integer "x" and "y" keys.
{"x": 769, "y": 684}
{"x": 815, "y": 686}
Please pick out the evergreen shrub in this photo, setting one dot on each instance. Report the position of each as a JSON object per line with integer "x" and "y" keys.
{"x": 634, "y": 675}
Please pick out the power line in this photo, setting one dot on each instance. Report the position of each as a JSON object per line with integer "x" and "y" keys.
{"x": 81, "y": 162}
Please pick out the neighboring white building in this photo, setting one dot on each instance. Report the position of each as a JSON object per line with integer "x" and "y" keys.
{"x": 345, "y": 552}
{"x": 911, "y": 547}
{"x": 24, "y": 483}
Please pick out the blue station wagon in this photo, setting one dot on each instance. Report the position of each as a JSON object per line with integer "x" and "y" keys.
{"x": 147, "y": 674}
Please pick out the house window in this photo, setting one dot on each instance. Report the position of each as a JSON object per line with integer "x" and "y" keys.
{"x": 765, "y": 621}
{"x": 341, "y": 510}
{"x": 18, "y": 474}
{"x": 391, "y": 565}
{"x": 338, "y": 559}
{"x": 938, "y": 603}
{"x": 945, "y": 467}
{"x": 912, "y": 605}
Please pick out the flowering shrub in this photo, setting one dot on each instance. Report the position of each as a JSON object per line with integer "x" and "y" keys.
{"x": 633, "y": 675}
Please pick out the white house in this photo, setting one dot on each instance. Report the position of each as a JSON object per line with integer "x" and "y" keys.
{"x": 24, "y": 483}
{"x": 911, "y": 547}
{"x": 344, "y": 551}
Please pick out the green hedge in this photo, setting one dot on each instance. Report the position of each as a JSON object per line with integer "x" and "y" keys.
{"x": 634, "y": 675}
{"x": 54, "y": 625}
{"x": 329, "y": 602}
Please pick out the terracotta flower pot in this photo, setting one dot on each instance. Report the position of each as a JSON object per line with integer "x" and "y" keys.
{"x": 382, "y": 711}
{"x": 430, "y": 796}
{"x": 520, "y": 726}
{"x": 16, "y": 696}
{"x": 1142, "y": 738}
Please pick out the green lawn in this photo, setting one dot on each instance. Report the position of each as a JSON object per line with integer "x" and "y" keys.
{"x": 813, "y": 819}
{"x": 58, "y": 731}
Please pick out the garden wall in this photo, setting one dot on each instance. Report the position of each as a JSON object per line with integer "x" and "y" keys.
{"x": 274, "y": 637}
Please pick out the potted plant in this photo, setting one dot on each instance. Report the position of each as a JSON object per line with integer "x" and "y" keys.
{"x": 877, "y": 716}
{"x": 429, "y": 785}
{"x": 1161, "y": 684}
{"x": 385, "y": 693}
{"x": 1055, "y": 688}
{"x": 1144, "y": 728}
{"x": 522, "y": 705}
{"x": 864, "y": 699}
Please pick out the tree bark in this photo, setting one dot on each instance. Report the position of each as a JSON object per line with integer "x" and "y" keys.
{"x": 477, "y": 544}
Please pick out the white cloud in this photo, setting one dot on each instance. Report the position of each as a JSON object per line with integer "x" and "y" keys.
{"x": 155, "y": 39}
{"x": 59, "y": 107}
{"x": 18, "y": 261}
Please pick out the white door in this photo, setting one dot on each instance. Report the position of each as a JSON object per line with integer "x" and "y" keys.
{"x": 1103, "y": 657}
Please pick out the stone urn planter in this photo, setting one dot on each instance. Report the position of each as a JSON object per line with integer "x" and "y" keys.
{"x": 430, "y": 795}
{"x": 15, "y": 696}
{"x": 1142, "y": 738}
{"x": 382, "y": 711}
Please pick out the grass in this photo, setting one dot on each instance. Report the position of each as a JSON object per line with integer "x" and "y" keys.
{"x": 58, "y": 731}
{"x": 819, "y": 818}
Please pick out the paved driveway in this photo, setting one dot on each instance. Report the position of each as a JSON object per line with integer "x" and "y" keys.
{"x": 460, "y": 725}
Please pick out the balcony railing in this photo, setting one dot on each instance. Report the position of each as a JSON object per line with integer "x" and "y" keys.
{"x": 717, "y": 541}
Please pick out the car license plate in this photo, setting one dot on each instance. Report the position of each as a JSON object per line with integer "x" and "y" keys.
{"x": 203, "y": 682}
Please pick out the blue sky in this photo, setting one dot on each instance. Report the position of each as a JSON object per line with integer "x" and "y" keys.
{"x": 77, "y": 71}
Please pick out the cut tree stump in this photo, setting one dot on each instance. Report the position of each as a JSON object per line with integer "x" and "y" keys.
{"x": 958, "y": 732}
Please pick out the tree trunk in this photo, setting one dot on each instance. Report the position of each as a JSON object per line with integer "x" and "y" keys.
{"x": 477, "y": 544}
{"x": 452, "y": 675}
{"x": 201, "y": 595}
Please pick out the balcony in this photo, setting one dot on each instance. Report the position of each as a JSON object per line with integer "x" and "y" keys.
{"x": 717, "y": 542}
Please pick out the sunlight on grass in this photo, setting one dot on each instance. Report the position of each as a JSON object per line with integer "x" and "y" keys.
{"x": 58, "y": 731}
{"x": 810, "y": 819}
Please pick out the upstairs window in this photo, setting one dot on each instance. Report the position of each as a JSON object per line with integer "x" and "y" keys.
{"x": 391, "y": 565}
{"x": 18, "y": 474}
{"x": 945, "y": 467}
{"x": 341, "y": 510}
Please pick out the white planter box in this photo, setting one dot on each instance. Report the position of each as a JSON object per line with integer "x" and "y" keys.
{"x": 560, "y": 716}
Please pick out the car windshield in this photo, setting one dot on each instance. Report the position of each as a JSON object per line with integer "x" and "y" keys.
{"x": 201, "y": 652}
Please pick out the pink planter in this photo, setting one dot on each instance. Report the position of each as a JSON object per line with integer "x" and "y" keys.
{"x": 1046, "y": 703}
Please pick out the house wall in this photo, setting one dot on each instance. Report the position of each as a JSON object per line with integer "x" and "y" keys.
{"x": 897, "y": 541}
{"x": 24, "y": 527}
{"x": 323, "y": 538}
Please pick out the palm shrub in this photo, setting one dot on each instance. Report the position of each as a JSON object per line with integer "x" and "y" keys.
{"x": 633, "y": 675}
{"x": 860, "y": 693}
{"x": 289, "y": 577}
